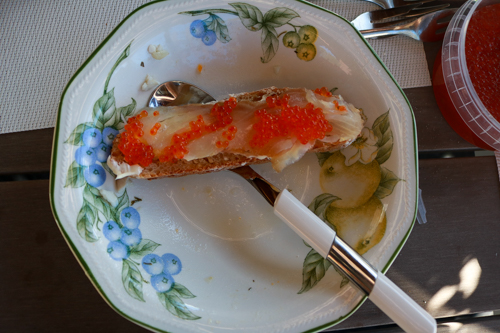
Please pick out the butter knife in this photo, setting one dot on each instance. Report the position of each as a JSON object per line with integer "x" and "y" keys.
{"x": 380, "y": 290}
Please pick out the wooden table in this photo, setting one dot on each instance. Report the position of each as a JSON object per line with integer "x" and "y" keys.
{"x": 43, "y": 288}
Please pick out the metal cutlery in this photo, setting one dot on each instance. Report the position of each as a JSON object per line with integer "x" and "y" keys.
{"x": 381, "y": 291}
{"x": 428, "y": 28}
{"x": 386, "y": 4}
{"x": 368, "y": 20}
{"x": 174, "y": 93}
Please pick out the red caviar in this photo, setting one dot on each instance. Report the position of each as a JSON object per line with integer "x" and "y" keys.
{"x": 306, "y": 124}
{"x": 340, "y": 108}
{"x": 221, "y": 113}
{"x": 323, "y": 92}
{"x": 130, "y": 144}
{"x": 155, "y": 129}
{"x": 482, "y": 51}
{"x": 156, "y": 113}
{"x": 222, "y": 144}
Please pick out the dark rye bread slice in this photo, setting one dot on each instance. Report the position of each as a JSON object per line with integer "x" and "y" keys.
{"x": 219, "y": 162}
{"x": 157, "y": 169}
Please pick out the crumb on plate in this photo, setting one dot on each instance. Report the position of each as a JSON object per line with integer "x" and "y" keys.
{"x": 149, "y": 83}
{"x": 157, "y": 51}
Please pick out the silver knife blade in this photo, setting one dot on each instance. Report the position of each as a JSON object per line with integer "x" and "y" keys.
{"x": 378, "y": 18}
{"x": 265, "y": 188}
{"x": 377, "y": 15}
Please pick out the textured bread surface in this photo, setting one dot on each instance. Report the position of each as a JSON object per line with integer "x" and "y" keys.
{"x": 219, "y": 162}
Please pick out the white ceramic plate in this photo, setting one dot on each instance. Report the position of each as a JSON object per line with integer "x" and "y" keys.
{"x": 242, "y": 268}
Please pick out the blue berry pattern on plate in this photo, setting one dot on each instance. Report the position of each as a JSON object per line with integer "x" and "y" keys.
{"x": 173, "y": 264}
{"x": 130, "y": 218}
{"x": 198, "y": 28}
{"x": 102, "y": 152}
{"x": 152, "y": 264}
{"x": 300, "y": 38}
{"x": 94, "y": 175}
{"x": 85, "y": 156}
{"x": 121, "y": 227}
{"x": 209, "y": 38}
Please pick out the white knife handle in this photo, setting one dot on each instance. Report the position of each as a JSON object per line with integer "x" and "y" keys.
{"x": 400, "y": 307}
{"x": 382, "y": 292}
{"x": 305, "y": 223}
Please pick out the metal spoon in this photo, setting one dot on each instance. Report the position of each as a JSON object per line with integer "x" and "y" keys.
{"x": 172, "y": 93}
{"x": 381, "y": 291}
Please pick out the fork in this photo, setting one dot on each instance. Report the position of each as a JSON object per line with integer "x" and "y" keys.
{"x": 386, "y": 4}
{"x": 367, "y": 21}
{"x": 428, "y": 28}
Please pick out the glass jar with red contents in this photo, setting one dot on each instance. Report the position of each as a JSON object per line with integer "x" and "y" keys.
{"x": 466, "y": 74}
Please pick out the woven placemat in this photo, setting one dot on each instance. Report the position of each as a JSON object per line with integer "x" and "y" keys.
{"x": 43, "y": 43}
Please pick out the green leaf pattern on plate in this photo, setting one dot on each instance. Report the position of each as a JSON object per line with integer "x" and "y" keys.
{"x": 118, "y": 222}
{"x": 76, "y": 136}
{"x": 387, "y": 183}
{"x": 146, "y": 246}
{"x": 253, "y": 19}
{"x": 132, "y": 279}
{"x": 320, "y": 203}
{"x": 103, "y": 108}
{"x": 75, "y": 176}
{"x": 277, "y": 17}
{"x": 269, "y": 42}
{"x": 215, "y": 23}
{"x": 176, "y": 306}
{"x": 382, "y": 130}
{"x": 85, "y": 222}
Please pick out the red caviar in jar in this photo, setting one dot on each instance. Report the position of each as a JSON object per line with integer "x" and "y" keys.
{"x": 304, "y": 123}
{"x": 482, "y": 51}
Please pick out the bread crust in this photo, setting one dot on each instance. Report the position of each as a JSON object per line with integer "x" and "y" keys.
{"x": 218, "y": 162}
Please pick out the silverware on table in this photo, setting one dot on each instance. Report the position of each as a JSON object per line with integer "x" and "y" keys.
{"x": 374, "y": 19}
{"x": 375, "y": 285}
{"x": 386, "y": 4}
{"x": 428, "y": 28}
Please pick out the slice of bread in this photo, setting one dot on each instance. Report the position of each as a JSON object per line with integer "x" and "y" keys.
{"x": 218, "y": 162}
